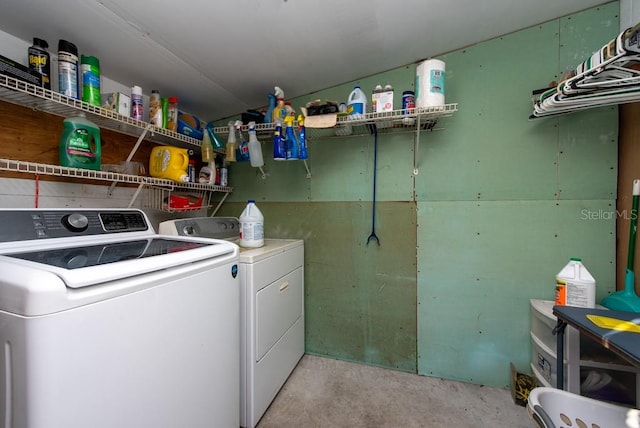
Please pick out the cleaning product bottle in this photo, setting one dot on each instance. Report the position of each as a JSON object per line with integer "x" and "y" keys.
{"x": 251, "y": 226}
{"x": 90, "y": 68}
{"x": 374, "y": 98}
{"x": 575, "y": 286}
{"x": 224, "y": 173}
{"x": 68, "y": 69}
{"x": 206, "y": 148}
{"x": 279, "y": 112}
{"x": 207, "y": 174}
{"x": 164, "y": 102}
{"x": 302, "y": 137}
{"x": 39, "y": 60}
{"x": 155, "y": 108}
{"x": 242, "y": 154}
{"x": 213, "y": 137}
{"x": 289, "y": 109}
{"x": 268, "y": 115}
{"x": 172, "y": 114}
{"x": 279, "y": 151}
{"x": 291, "y": 141}
{"x": 169, "y": 162}
{"x": 357, "y": 103}
{"x": 255, "y": 149}
{"x": 136, "y": 103}
{"x": 80, "y": 143}
{"x": 231, "y": 143}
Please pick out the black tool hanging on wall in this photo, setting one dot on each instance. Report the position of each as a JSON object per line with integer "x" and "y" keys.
{"x": 373, "y": 235}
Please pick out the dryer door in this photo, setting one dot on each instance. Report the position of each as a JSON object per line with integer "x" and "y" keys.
{"x": 278, "y": 307}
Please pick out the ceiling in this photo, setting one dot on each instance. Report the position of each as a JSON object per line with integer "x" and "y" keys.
{"x": 222, "y": 58}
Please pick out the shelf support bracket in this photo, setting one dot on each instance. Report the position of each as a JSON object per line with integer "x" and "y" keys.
{"x": 131, "y": 153}
{"x": 135, "y": 194}
{"x": 215, "y": 210}
{"x": 416, "y": 146}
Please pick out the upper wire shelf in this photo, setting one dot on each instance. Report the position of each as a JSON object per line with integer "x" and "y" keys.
{"x": 37, "y": 98}
{"x": 392, "y": 121}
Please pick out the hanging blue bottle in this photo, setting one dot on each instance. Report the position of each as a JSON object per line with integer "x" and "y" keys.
{"x": 279, "y": 152}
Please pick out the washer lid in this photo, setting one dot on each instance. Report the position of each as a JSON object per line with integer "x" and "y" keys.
{"x": 99, "y": 262}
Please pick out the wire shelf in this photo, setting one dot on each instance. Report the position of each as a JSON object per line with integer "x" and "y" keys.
{"x": 37, "y": 98}
{"x": 168, "y": 199}
{"x": 63, "y": 171}
{"x": 408, "y": 120}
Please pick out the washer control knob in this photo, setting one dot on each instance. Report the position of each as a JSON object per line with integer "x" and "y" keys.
{"x": 189, "y": 231}
{"x": 75, "y": 222}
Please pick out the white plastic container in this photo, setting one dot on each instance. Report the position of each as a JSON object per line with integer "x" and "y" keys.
{"x": 137, "y": 108}
{"x": 575, "y": 286}
{"x": 430, "y": 83}
{"x": 549, "y": 407}
{"x": 357, "y": 103}
{"x": 251, "y": 226}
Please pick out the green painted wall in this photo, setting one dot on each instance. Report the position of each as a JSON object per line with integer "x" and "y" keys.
{"x": 501, "y": 203}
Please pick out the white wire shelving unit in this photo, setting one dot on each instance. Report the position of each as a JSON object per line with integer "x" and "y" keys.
{"x": 413, "y": 120}
{"x": 39, "y": 99}
{"x": 389, "y": 122}
{"x": 161, "y": 186}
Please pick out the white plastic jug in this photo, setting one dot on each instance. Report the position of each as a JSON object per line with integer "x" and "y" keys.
{"x": 251, "y": 226}
{"x": 357, "y": 103}
{"x": 575, "y": 286}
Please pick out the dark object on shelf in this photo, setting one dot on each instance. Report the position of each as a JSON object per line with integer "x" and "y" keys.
{"x": 252, "y": 116}
{"x": 18, "y": 71}
{"x": 316, "y": 108}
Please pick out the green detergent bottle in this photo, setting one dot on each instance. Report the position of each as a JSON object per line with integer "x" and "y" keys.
{"x": 80, "y": 143}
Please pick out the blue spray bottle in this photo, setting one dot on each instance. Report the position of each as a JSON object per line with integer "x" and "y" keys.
{"x": 279, "y": 152}
{"x": 268, "y": 116}
{"x": 292, "y": 141}
{"x": 242, "y": 154}
{"x": 302, "y": 137}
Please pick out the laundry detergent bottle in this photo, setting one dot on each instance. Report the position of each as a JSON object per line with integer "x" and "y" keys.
{"x": 169, "y": 162}
{"x": 80, "y": 143}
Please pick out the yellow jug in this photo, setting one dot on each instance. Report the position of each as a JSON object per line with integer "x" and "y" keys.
{"x": 169, "y": 162}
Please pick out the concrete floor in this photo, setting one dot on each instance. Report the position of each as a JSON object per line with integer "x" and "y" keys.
{"x": 328, "y": 393}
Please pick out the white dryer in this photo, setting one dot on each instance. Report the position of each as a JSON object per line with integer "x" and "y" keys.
{"x": 271, "y": 308}
{"x": 104, "y": 323}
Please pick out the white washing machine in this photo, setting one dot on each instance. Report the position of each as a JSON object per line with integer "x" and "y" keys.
{"x": 271, "y": 310}
{"x": 104, "y": 323}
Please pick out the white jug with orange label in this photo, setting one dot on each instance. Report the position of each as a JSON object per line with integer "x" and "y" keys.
{"x": 575, "y": 286}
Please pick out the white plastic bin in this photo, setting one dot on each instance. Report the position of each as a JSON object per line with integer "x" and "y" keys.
{"x": 554, "y": 408}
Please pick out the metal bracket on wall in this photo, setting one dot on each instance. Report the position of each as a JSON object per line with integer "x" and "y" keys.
{"x": 428, "y": 125}
{"x": 416, "y": 145}
{"x": 131, "y": 153}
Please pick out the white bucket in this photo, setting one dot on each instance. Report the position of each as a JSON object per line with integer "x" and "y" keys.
{"x": 430, "y": 83}
{"x": 575, "y": 286}
{"x": 251, "y": 226}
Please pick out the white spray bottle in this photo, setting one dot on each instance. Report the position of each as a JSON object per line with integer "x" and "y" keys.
{"x": 255, "y": 149}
